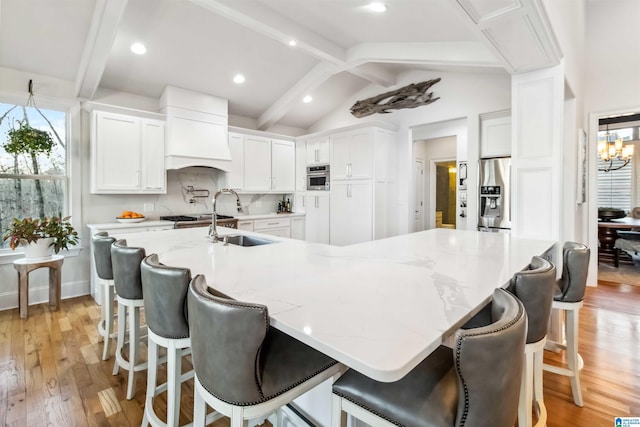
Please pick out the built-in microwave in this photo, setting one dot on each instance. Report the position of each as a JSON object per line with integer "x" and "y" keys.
{"x": 318, "y": 177}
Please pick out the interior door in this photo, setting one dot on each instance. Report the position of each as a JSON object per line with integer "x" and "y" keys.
{"x": 418, "y": 199}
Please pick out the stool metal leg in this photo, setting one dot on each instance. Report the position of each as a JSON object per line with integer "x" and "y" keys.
{"x": 134, "y": 346}
{"x": 152, "y": 374}
{"x": 122, "y": 330}
{"x": 107, "y": 310}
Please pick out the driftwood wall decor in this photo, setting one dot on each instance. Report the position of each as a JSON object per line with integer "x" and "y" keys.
{"x": 411, "y": 96}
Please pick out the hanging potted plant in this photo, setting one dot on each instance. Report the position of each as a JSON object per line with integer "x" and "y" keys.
{"x": 41, "y": 236}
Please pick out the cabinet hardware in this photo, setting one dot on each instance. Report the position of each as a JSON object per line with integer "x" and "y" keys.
{"x": 272, "y": 223}
{"x": 138, "y": 177}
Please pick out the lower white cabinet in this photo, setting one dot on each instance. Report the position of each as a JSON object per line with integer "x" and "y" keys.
{"x": 351, "y": 212}
{"x": 297, "y": 228}
{"x": 280, "y": 227}
{"x": 316, "y": 206}
{"x": 246, "y": 225}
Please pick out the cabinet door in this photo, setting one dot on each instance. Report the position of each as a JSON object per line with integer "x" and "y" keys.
{"x": 351, "y": 212}
{"x": 257, "y": 163}
{"x": 283, "y": 165}
{"x": 317, "y": 218}
{"x": 301, "y": 166}
{"x": 297, "y": 228}
{"x": 340, "y": 157}
{"x": 115, "y": 153}
{"x": 279, "y": 232}
{"x": 153, "y": 173}
{"x": 324, "y": 150}
{"x": 318, "y": 150}
{"x": 361, "y": 154}
{"x": 235, "y": 178}
{"x": 495, "y": 137}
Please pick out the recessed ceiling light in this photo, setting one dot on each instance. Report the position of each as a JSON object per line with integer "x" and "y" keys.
{"x": 239, "y": 78}
{"x": 377, "y": 7}
{"x": 138, "y": 49}
{"x": 307, "y": 99}
{"x": 292, "y": 43}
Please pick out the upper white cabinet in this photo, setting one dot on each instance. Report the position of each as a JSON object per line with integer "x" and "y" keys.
{"x": 127, "y": 154}
{"x": 318, "y": 149}
{"x": 261, "y": 164}
{"x": 495, "y": 134}
{"x": 301, "y": 165}
{"x": 352, "y": 155}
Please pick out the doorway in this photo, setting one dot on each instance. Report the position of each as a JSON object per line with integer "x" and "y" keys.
{"x": 418, "y": 199}
{"x": 445, "y": 194}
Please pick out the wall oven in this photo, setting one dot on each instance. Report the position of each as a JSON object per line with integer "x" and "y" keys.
{"x": 318, "y": 177}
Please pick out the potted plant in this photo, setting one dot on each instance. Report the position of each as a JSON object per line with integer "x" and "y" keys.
{"x": 53, "y": 232}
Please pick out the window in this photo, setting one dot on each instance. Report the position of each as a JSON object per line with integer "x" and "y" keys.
{"x": 32, "y": 183}
{"x": 616, "y": 187}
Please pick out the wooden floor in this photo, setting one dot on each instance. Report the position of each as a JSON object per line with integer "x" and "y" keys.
{"x": 51, "y": 373}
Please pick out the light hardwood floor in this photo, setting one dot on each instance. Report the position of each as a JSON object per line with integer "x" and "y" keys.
{"x": 51, "y": 372}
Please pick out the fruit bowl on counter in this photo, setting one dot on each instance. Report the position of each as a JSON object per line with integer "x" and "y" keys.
{"x": 130, "y": 217}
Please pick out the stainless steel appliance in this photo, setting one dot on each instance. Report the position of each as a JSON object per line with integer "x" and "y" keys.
{"x": 204, "y": 220}
{"x": 494, "y": 212}
{"x": 318, "y": 177}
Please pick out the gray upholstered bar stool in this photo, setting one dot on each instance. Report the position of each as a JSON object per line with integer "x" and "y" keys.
{"x": 165, "y": 307}
{"x": 534, "y": 286}
{"x": 474, "y": 384}
{"x": 102, "y": 260}
{"x": 246, "y": 369}
{"x": 568, "y": 297}
{"x": 126, "y": 278}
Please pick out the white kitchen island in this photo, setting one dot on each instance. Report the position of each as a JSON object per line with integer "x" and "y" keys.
{"x": 378, "y": 307}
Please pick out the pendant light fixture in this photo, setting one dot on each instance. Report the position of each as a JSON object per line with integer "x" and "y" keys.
{"x": 613, "y": 152}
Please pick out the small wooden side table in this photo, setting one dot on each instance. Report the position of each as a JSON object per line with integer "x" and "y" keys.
{"x": 24, "y": 266}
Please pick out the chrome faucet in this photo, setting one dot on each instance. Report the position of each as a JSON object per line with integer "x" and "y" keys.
{"x": 213, "y": 232}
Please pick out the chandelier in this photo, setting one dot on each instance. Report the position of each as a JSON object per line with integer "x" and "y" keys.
{"x": 611, "y": 150}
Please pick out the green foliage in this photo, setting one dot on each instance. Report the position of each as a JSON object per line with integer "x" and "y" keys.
{"x": 27, "y": 230}
{"x": 26, "y": 139}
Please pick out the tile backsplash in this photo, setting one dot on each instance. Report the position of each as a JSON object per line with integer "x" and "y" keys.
{"x": 179, "y": 199}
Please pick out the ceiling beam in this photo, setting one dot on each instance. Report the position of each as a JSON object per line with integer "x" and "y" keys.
{"x": 107, "y": 15}
{"x": 314, "y": 78}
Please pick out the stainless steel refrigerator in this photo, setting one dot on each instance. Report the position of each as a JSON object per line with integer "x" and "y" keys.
{"x": 494, "y": 213}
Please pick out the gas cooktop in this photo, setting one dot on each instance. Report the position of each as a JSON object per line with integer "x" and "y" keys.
{"x": 177, "y": 218}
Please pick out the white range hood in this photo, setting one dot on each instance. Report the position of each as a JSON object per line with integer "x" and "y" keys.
{"x": 196, "y": 130}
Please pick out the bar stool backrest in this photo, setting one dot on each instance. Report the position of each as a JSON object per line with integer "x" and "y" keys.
{"x": 102, "y": 254}
{"x": 165, "y": 298}
{"x": 126, "y": 269}
{"x": 574, "y": 272}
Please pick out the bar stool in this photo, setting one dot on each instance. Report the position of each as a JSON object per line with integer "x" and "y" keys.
{"x": 126, "y": 278}
{"x": 474, "y": 384}
{"x": 534, "y": 286}
{"x": 102, "y": 258}
{"x": 165, "y": 306}
{"x": 246, "y": 369}
{"x": 568, "y": 297}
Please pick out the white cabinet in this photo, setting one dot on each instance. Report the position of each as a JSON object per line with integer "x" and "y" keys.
{"x": 280, "y": 227}
{"x": 495, "y": 134}
{"x": 301, "y": 165}
{"x": 352, "y": 155}
{"x": 283, "y": 161}
{"x": 297, "y": 228}
{"x": 261, "y": 164}
{"x": 318, "y": 150}
{"x": 351, "y": 212}
{"x": 127, "y": 154}
{"x": 316, "y": 207}
{"x": 235, "y": 177}
{"x": 257, "y": 163}
{"x": 246, "y": 225}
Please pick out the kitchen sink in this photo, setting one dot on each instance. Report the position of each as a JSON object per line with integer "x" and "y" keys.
{"x": 242, "y": 240}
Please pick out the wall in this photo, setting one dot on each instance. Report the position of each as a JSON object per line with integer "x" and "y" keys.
{"x": 462, "y": 95}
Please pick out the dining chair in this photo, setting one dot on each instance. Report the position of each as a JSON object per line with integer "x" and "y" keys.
{"x": 126, "y": 278}
{"x": 244, "y": 368}
{"x": 104, "y": 270}
{"x": 165, "y": 307}
{"x": 534, "y": 287}
{"x": 568, "y": 297}
{"x": 475, "y": 383}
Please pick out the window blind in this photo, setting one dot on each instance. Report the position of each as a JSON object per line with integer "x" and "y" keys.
{"x": 615, "y": 187}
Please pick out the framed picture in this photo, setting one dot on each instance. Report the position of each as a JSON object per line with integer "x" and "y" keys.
{"x": 581, "y": 190}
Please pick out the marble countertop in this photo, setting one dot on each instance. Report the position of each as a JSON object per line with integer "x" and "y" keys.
{"x": 379, "y": 307}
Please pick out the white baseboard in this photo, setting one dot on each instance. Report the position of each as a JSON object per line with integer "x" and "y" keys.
{"x": 40, "y": 294}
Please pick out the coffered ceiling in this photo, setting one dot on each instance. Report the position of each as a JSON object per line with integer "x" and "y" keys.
{"x": 341, "y": 46}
